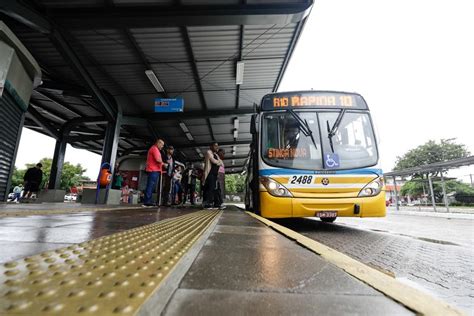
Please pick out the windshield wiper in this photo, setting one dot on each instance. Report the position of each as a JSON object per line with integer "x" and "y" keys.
{"x": 332, "y": 131}
{"x": 303, "y": 126}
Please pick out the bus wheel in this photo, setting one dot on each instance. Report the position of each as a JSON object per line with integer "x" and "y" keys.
{"x": 328, "y": 219}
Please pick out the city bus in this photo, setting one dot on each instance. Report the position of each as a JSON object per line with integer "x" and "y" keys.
{"x": 314, "y": 154}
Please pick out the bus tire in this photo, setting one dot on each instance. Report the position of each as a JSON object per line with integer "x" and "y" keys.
{"x": 328, "y": 219}
{"x": 255, "y": 203}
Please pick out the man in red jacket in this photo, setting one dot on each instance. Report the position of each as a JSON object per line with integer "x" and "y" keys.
{"x": 154, "y": 165}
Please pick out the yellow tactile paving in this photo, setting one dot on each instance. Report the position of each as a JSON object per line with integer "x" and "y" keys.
{"x": 112, "y": 275}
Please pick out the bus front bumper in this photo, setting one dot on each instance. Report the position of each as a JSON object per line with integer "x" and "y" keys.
{"x": 282, "y": 207}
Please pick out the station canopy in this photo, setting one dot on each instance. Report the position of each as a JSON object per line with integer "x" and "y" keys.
{"x": 136, "y": 51}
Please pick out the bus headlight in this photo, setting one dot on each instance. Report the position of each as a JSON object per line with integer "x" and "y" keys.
{"x": 274, "y": 188}
{"x": 373, "y": 188}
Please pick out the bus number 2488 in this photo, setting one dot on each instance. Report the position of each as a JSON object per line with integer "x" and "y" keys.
{"x": 301, "y": 179}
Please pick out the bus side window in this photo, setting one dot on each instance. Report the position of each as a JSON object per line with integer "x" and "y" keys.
{"x": 272, "y": 133}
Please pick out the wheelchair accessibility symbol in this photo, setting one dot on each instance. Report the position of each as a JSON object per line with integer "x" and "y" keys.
{"x": 332, "y": 161}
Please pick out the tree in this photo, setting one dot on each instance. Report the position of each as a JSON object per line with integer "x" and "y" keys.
{"x": 428, "y": 153}
{"x": 414, "y": 188}
{"x": 71, "y": 175}
{"x": 17, "y": 177}
{"x": 431, "y": 152}
{"x": 234, "y": 183}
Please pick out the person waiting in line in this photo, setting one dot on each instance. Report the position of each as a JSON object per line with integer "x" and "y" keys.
{"x": 176, "y": 187}
{"x": 125, "y": 192}
{"x": 154, "y": 165}
{"x": 211, "y": 185}
{"x": 221, "y": 174}
{"x": 167, "y": 175}
{"x": 189, "y": 184}
{"x": 33, "y": 178}
{"x": 117, "y": 179}
{"x": 17, "y": 193}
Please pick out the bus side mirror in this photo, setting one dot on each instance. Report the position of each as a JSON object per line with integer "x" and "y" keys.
{"x": 253, "y": 124}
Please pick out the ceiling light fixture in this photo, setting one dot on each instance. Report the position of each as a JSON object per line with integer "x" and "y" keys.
{"x": 154, "y": 80}
{"x": 236, "y": 133}
{"x": 184, "y": 127}
{"x": 236, "y": 123}
{"x": 189, "y": 136}
{"x": 239, "y": 73}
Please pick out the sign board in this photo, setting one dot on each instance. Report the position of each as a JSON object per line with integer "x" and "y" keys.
{"x": 313, "y": 99}
{"x": 331, "y": 161}
{"x": 169, "y": 105}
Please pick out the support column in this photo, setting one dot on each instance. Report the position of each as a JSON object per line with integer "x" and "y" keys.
{"x": 57, "y": 164}
{"x": 396, "y": 193}
{"x": 111, "y": 141}
{"x": 432, "y": 192}
{"x": 445, "y": 197}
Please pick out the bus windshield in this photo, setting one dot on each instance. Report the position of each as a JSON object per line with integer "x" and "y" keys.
{"x": 285, "y": 143}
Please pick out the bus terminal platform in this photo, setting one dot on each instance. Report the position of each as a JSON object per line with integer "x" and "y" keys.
{"x": 171, "y": 261}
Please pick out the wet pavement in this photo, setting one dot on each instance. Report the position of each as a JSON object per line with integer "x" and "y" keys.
{"x": 247, "y": 268}
{"x": 29, "y": 235}
{"x": 433, "y": 254}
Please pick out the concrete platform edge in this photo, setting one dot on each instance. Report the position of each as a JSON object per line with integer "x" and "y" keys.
{"x": 415, "y": 300}
{"x": 158, "y": 301}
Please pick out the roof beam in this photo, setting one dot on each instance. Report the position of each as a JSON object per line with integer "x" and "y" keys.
{"x": 289, "y": 52}
{"x": 42, "y": 122}
{"x": 196, "y": 145}
{"x": 52, "y": 98}
{"x": 84, "y": 138}
{"x": 226, "y": 158}
{"x": 139, "y": 53}
{"x": 25, "y": 15}
{"x": 37, "y": 21}
{"x": 160, "y": 16}
{"x": 198, "y": 114}
{"x": 197, "y": 80}
{"x": 69, "y": 54}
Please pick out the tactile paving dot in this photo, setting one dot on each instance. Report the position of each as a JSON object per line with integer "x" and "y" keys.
{"x": 112, "y": 275}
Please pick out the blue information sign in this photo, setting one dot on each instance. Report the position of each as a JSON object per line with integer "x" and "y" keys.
{"x": 169, "y": 105}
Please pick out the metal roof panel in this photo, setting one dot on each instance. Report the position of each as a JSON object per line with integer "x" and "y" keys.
{"x": 161, "y": 44}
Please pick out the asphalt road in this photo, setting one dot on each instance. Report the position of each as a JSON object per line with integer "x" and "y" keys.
{"x": 433, "y": 254}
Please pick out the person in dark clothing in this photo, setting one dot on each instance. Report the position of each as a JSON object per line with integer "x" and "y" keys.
{"x": 221, "y": 175}
{"x": 33, "y": 178}
{"x": 168, "y": 175}
{"x": 189, "y": 184}
{"x": 212, "y": 163}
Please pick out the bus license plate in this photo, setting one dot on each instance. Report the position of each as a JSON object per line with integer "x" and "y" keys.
{"x": 326, "y": 214}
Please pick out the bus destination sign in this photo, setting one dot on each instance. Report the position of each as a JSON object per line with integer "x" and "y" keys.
{"x": 313, "y": 99}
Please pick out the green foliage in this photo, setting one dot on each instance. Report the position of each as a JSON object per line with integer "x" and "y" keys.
{"x": 17, "y": 177}
{"x": 414, "y": 188}
{"x": 431, "y": 152}
{"x": 71, "y": 175}
{"x": 234, "y": 183}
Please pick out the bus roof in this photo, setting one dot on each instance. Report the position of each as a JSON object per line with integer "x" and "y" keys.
{"x": 313, "y": 100}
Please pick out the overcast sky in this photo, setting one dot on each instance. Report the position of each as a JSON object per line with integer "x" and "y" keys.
{"x": 412, "y": 60}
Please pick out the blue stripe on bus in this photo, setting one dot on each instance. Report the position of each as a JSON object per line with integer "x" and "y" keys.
{"x": 268, "y": 172}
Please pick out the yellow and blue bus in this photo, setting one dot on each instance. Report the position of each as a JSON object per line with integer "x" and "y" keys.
{"x": 314, "y": 154}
